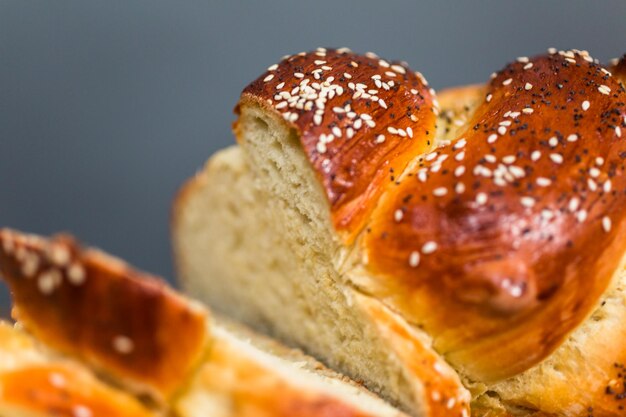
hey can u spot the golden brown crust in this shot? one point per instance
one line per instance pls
(64, 391)
(95, 307)
(360, 120)
(500, 269)
(33, 382)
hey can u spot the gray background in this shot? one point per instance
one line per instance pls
(107, 107)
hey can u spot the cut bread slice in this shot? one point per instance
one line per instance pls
(142, 336)
(249, 255)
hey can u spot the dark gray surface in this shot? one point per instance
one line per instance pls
(107, 107)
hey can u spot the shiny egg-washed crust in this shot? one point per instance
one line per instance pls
(34, 384)
(345, 108)
(499, 243)
(90, 305)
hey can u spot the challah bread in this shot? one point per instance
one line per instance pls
(35, 383)
(116, 319)
(496, 237)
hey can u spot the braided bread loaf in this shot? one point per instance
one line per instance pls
(160, 354)
(430, 250)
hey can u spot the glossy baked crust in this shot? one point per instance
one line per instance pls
(36, 384)
(85, 303)
(498, 243)
(348, 111)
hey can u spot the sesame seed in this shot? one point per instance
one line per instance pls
(481, 199)
(281, 105)
(599, 161)
(30, 265)
(528, 66)
(81, 411)
(606, 187)
(459, 156)
(58, 254)
(450, 403)
(592, 184)
(507, 81)
(528, 86)
(273, 67)
(398, 68)
(414, 259)
(57, 380)
(76, 274)
(431, 156)
(298, 75)
(48, 281)
(319, 62)
(317, 119)
(429, 247)
(522, 59)
(489, 97)
(527, 110)
(604, 89)
(321, 147)
(527, 202)
(392, 130)
(581, 215)
(557, 158)
(509, 159)
(458, 171)
(268, 78)
(572, 138)
(380, 138)
(440, 191)
(123, 344)
(618, 131)
(547, 214)
(594, 172)
(382, 103)
(543, 182)
(409, 131)
(553, 141)
(492, 138)
(585, 105)
(336, 131)
(459, 188)
(459, 144)
(398, 215)
(573, 204)
(502, 130)
(8, 246)
(606, 224)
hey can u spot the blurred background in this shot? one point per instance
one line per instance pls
(107, 107)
